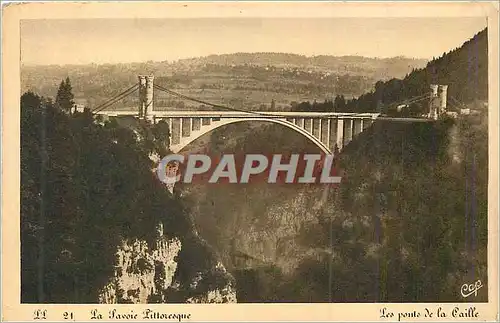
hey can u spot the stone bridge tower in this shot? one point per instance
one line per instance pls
(443, 94)
(434, 102)
(437, 101)
(145, 95)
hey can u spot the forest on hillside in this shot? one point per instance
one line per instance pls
(408, 223)
(86, 186)
(464, 70)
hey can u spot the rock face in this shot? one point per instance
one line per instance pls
(145, 274)
(167, 270)
(140, 272)
(226, 294)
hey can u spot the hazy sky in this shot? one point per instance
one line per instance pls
(135, 40)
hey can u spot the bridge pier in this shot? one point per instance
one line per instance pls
(316, 127)
(348, 127)
(324, 132)
(176, 131)
(308, 125)
(340, 133)
(186, 127)
(169, 122)
(358, 127)
(367, 123)
(196, 124)
(332, 134)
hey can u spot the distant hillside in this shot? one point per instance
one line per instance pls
(241, 80)
(380, 68)
(464, 70)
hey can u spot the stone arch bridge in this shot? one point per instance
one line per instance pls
(325, 130)
(328, 130)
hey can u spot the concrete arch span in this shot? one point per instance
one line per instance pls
(184, 141)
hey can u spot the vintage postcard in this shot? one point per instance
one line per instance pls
(250, 161)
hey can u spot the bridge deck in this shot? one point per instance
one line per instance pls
(252, 114)
(328, 130)
(406, 119)
(266, 114)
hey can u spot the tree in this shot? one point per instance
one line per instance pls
(85, 186)
(64, 98)
(339, 104)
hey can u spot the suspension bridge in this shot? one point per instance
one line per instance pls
(330, 131)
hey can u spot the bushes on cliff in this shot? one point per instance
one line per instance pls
(464, 69)
(84, 186)
(408, 222)
(418, 213)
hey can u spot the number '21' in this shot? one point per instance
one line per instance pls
(67, 315)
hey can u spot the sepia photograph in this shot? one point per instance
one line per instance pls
(255, 159)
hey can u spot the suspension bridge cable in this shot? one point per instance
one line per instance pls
(187, 97)
(204, 102)
(418, 100)
(220, 106)
(407, 100)
(454, 106)
(193, 99)
(108, 101)
(115, 99)
(460, 103)
(411, 100)
(111, 103)
(415, 101)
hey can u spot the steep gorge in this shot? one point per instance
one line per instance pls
(96, 225)
(407, 223)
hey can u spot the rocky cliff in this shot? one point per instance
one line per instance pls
(147, 274)
(411, 194)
